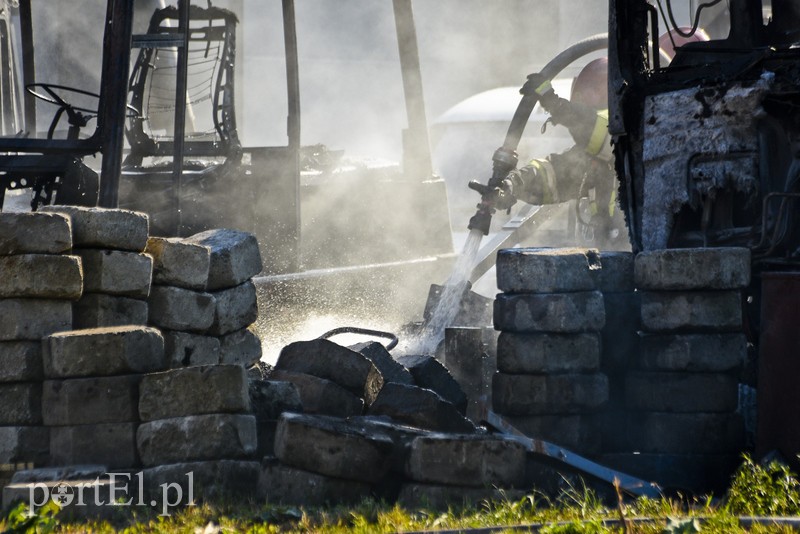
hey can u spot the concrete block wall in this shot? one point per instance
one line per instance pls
(550, 315)
(670, 350)
(77, 358)
(39, 281)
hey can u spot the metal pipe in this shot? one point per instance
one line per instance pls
(28, 67)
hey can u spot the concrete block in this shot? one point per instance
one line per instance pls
(684, 269)
(693, 352)
(690, 474)
(325, 359)
(429, 373)
(566, 313)
(321, 396)
(466, 357)
(234, 256)
(270, 398)
(401, 436)
(333, 447)
(208, 389)
(686, 433)
(619, 337)
(242, 347)
(183, 349)
(681, 392)
(110, 444)
(235, 308)
(96, 310)
(419, 407)
(546, 270)
(548, 353)
(43, 276)
(197, 437)
(105, 228)
(21, 404)
(33, 319)
(467, 460)
(116, 272)
(20, 361)
(201, 481)
(616, 272)
(415, 496)
(108, 351)
(697, 311)
(34, 233)
(579, 433)
(88, 401)
(281, 484)
(186, 310)
(24, 444)
(177, 262)
(390, 369)
(549, 394)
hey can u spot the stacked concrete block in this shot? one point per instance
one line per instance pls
(550, 315)
(90, 396)
(116, 272)
(39, 281)
(455, 469)
(203, 298)
(683, 391)
(197, 420)
(619, 341)
(324, 459)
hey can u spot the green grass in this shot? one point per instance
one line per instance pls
(755, 491)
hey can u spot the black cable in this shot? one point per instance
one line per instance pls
(696, 22)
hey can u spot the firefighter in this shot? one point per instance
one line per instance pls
(583, 172)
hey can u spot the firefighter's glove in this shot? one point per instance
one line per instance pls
(540, 86)
(504, 194)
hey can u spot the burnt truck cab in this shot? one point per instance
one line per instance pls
(190, 111)
(707, 143)
(707, 148)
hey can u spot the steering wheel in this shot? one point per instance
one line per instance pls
(77, 116)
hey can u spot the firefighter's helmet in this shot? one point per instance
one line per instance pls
(672, 39)
(590, 86)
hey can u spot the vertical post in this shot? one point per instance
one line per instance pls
(416, 147)
(28, 67)
(179, 128)
(292, 73)
(112, 107)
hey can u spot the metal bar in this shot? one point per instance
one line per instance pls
(179, 128)
(112, 107)
(628, 483)
(164, 40)
(293, 123)
(416, 146)
(28, 67)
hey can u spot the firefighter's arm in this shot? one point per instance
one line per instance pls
(535, 183)
(589, 128)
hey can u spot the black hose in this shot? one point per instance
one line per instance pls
(550, 71)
